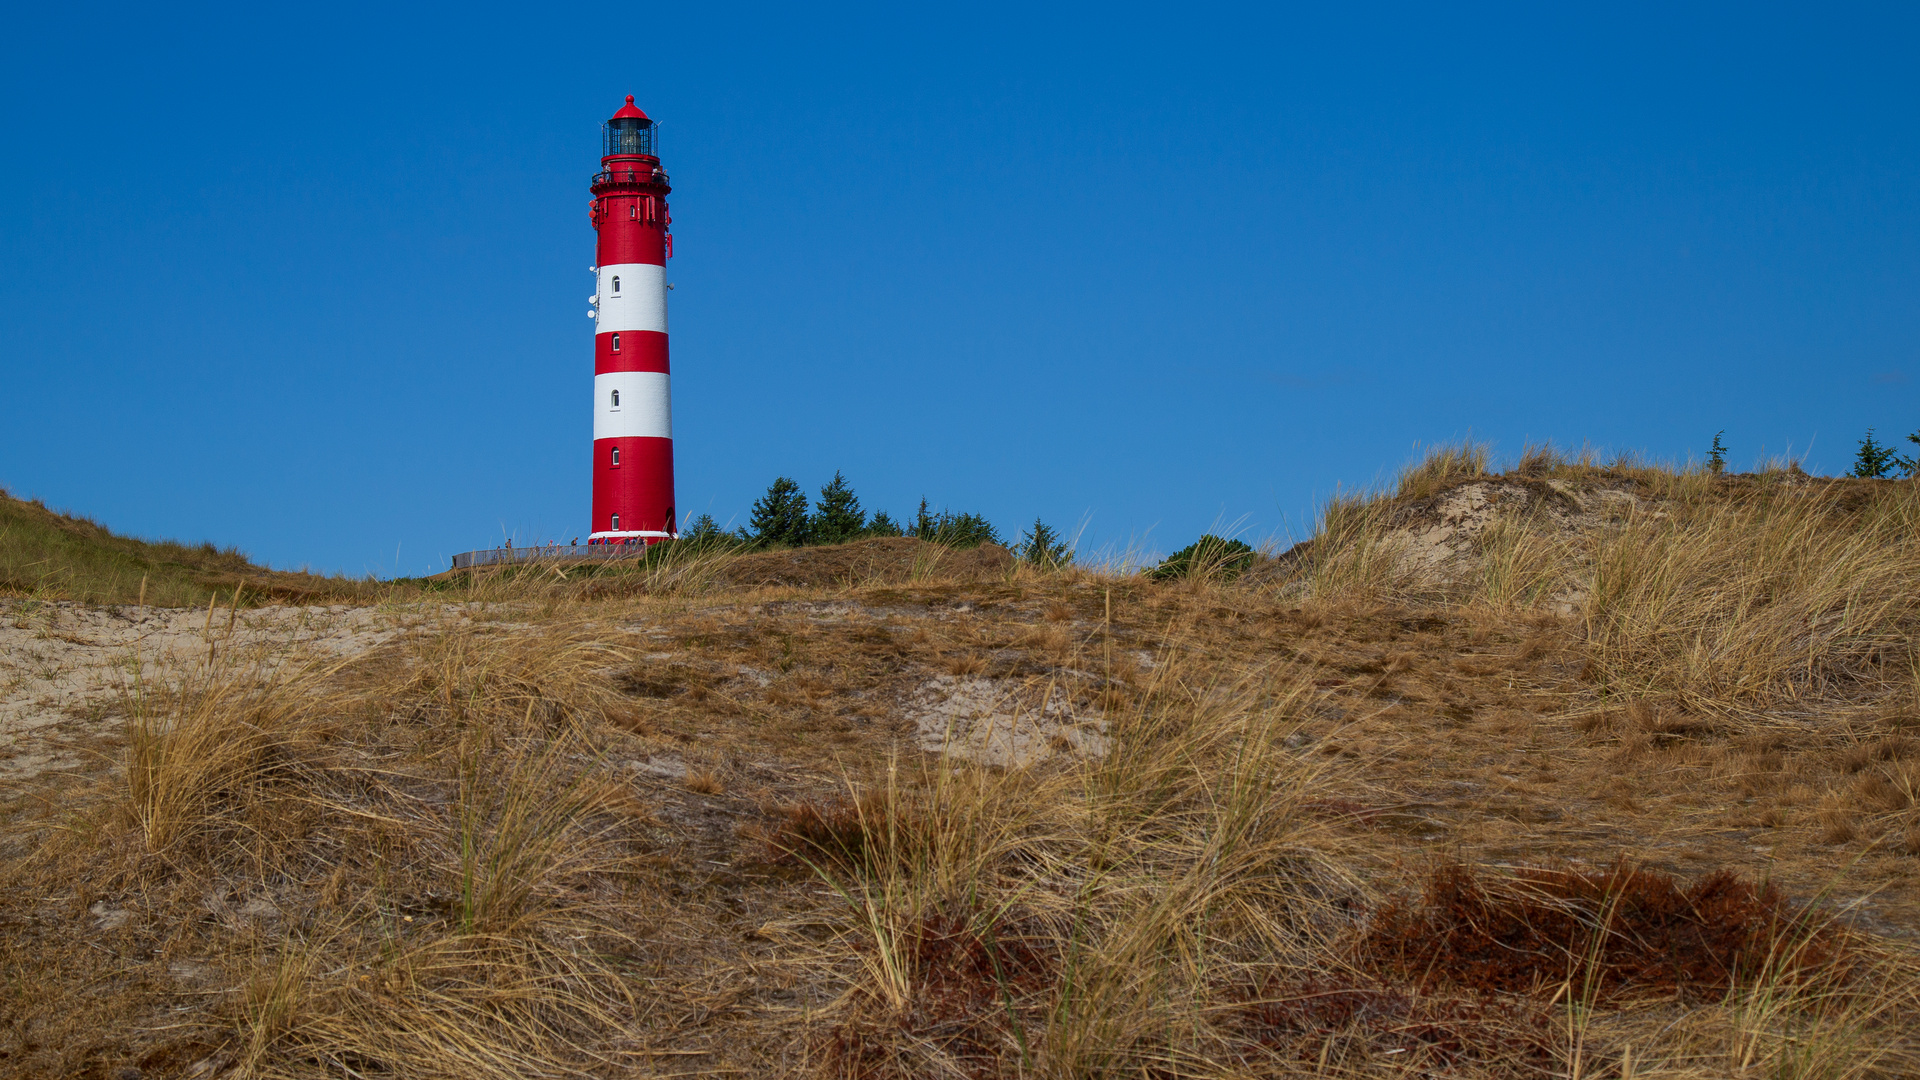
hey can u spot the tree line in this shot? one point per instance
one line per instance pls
(783, 518)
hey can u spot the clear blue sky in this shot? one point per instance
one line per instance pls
(312, 279)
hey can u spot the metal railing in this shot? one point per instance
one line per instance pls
(624, 175)
(502, 556)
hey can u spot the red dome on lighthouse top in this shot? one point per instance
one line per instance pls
(628, 110)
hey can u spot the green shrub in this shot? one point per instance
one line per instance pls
(1209, 555)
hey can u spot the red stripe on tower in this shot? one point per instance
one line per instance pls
(632, 410)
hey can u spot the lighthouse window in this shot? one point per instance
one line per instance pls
(632, 212)
(616, 461)
(616, 283)
(616, 399)
(616, 523)
(616, 348)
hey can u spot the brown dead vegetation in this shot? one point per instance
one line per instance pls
(972, 992)
(843, 835)
(1620, 932)
(1329, 1026)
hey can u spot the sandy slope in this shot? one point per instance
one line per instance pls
(64, 667)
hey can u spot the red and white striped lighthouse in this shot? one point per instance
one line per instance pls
(632, 409)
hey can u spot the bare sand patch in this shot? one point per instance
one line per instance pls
(1001, 722)
(64, 667)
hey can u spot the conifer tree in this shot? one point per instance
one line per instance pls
(780, 516)
(1873, 461)
(882, 524)
(1717, 456)
(1044, 547)
(953, 530)
(703, 532)
(837, 516)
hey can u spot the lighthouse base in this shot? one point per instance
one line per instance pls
(644, 537)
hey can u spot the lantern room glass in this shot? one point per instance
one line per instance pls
(628, 135)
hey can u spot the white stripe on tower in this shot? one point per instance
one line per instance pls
(633, 296)
(632, 404)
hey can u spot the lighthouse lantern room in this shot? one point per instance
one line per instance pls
(632, 408)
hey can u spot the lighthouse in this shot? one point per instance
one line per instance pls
(632, 409)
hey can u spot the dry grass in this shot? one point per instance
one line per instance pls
(1355, 555)
(1762, 597)
(1634, 799)
(426, 896)
(1448, 464)
(1523, 564)
(1716, 593)
(200, 754)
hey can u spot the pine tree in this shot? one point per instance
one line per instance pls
(953, 530)
(883, 524)
(704, 532)
(780, 517)
(967, 530)
(1044, 547)
(1874, 461)
(837, 516)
